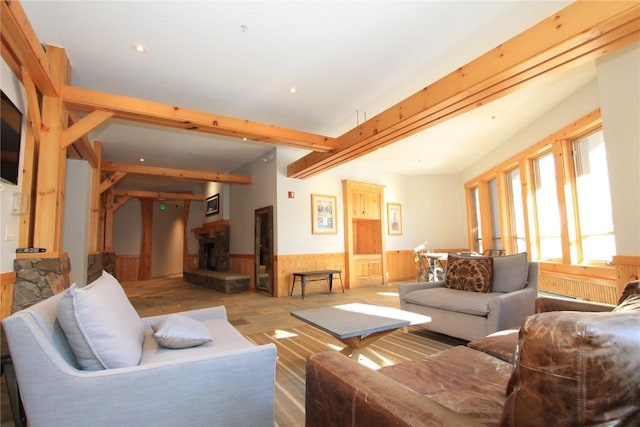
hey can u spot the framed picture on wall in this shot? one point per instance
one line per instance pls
(394, 218)
(212, 205)
(323, 214)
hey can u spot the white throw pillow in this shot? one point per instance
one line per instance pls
(102, 327)
(180, 332)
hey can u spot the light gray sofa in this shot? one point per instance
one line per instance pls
(228, 381)
(472, 315)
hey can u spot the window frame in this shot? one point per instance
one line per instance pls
(560, 145)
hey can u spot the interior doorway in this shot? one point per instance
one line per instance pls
(263, 253)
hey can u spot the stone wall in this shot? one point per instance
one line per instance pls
(38, 279)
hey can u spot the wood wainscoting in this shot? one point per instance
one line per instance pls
(286, 265)
(7, 281)
(127, 267)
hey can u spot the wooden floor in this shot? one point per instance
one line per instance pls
(259, 316)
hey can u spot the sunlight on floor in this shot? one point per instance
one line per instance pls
(279, 334)
(389, 294)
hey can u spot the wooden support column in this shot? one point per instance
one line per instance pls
(144, 271)
(52, 161)
(185, 235)
(108, 221)
(29, 170)
(94, 217)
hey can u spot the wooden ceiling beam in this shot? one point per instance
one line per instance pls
(33, 106)
(21, 39)
(175, 173)
(83, 126)
(139, 110)
(582, 31)
(158, 195)
(110, 181)
(82, 146)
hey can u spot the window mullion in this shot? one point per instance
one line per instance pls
(558, 158)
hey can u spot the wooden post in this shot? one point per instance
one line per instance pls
(94, 218)
(108, 221)
(185, 235)
(52, 161)
(144, 271)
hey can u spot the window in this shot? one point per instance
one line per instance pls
(547, 211)
(516, 211)
(551, 200)
(595, 223)
(476, 229)
(496, 238)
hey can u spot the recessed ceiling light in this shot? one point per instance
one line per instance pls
(244, 139)
(141, 159)
(140, 48)
(293, 89)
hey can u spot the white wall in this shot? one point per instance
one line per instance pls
(245, 199)
(619, 88)
(127, 229)
(9, 223)
(432, 207)
(580, 103)
(167, 239)
(77, 206)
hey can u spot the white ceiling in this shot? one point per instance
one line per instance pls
(347, 59)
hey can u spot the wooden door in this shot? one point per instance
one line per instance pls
(364, 233)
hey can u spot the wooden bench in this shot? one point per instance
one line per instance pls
(221, 281)
(311, 276)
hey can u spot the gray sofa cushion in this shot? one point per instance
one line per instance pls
(476, 303)
(102, 327)
(510, 272)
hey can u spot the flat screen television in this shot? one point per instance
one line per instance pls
(10, 139)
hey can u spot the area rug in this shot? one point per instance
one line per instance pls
(296, 344)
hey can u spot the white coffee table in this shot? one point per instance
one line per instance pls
(359, 325)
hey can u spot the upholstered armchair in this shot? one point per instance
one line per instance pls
(508, 298)
(198, 371)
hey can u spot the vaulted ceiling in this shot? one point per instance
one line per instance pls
(346, 62)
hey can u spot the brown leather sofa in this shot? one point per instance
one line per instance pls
(570, 369)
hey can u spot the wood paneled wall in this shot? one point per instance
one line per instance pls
(127, 267)
(627, 270)
(588, 288)
(7, 280)
(243, 264)
(401, 266)
(286, 265)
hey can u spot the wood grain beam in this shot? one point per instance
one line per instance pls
(176, 173)
(120, 203)
(83, 146)
(33, 106)
(84, 126)
(111, 180)
(139, 110)
(583, 31)
(158, 195)
(25, 46)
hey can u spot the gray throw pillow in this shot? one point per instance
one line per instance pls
(102, 327)
(178, 331)
(510, 272)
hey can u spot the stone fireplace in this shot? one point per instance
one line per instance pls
(213, 252)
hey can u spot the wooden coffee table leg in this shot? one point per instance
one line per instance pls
(355, 345)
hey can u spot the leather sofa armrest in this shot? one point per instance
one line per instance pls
(340, 391)
(547, 304)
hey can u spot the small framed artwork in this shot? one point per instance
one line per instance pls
(212, 205)
(394, 218)
(323, 214)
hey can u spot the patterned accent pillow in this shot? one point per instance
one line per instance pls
(474, 274)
